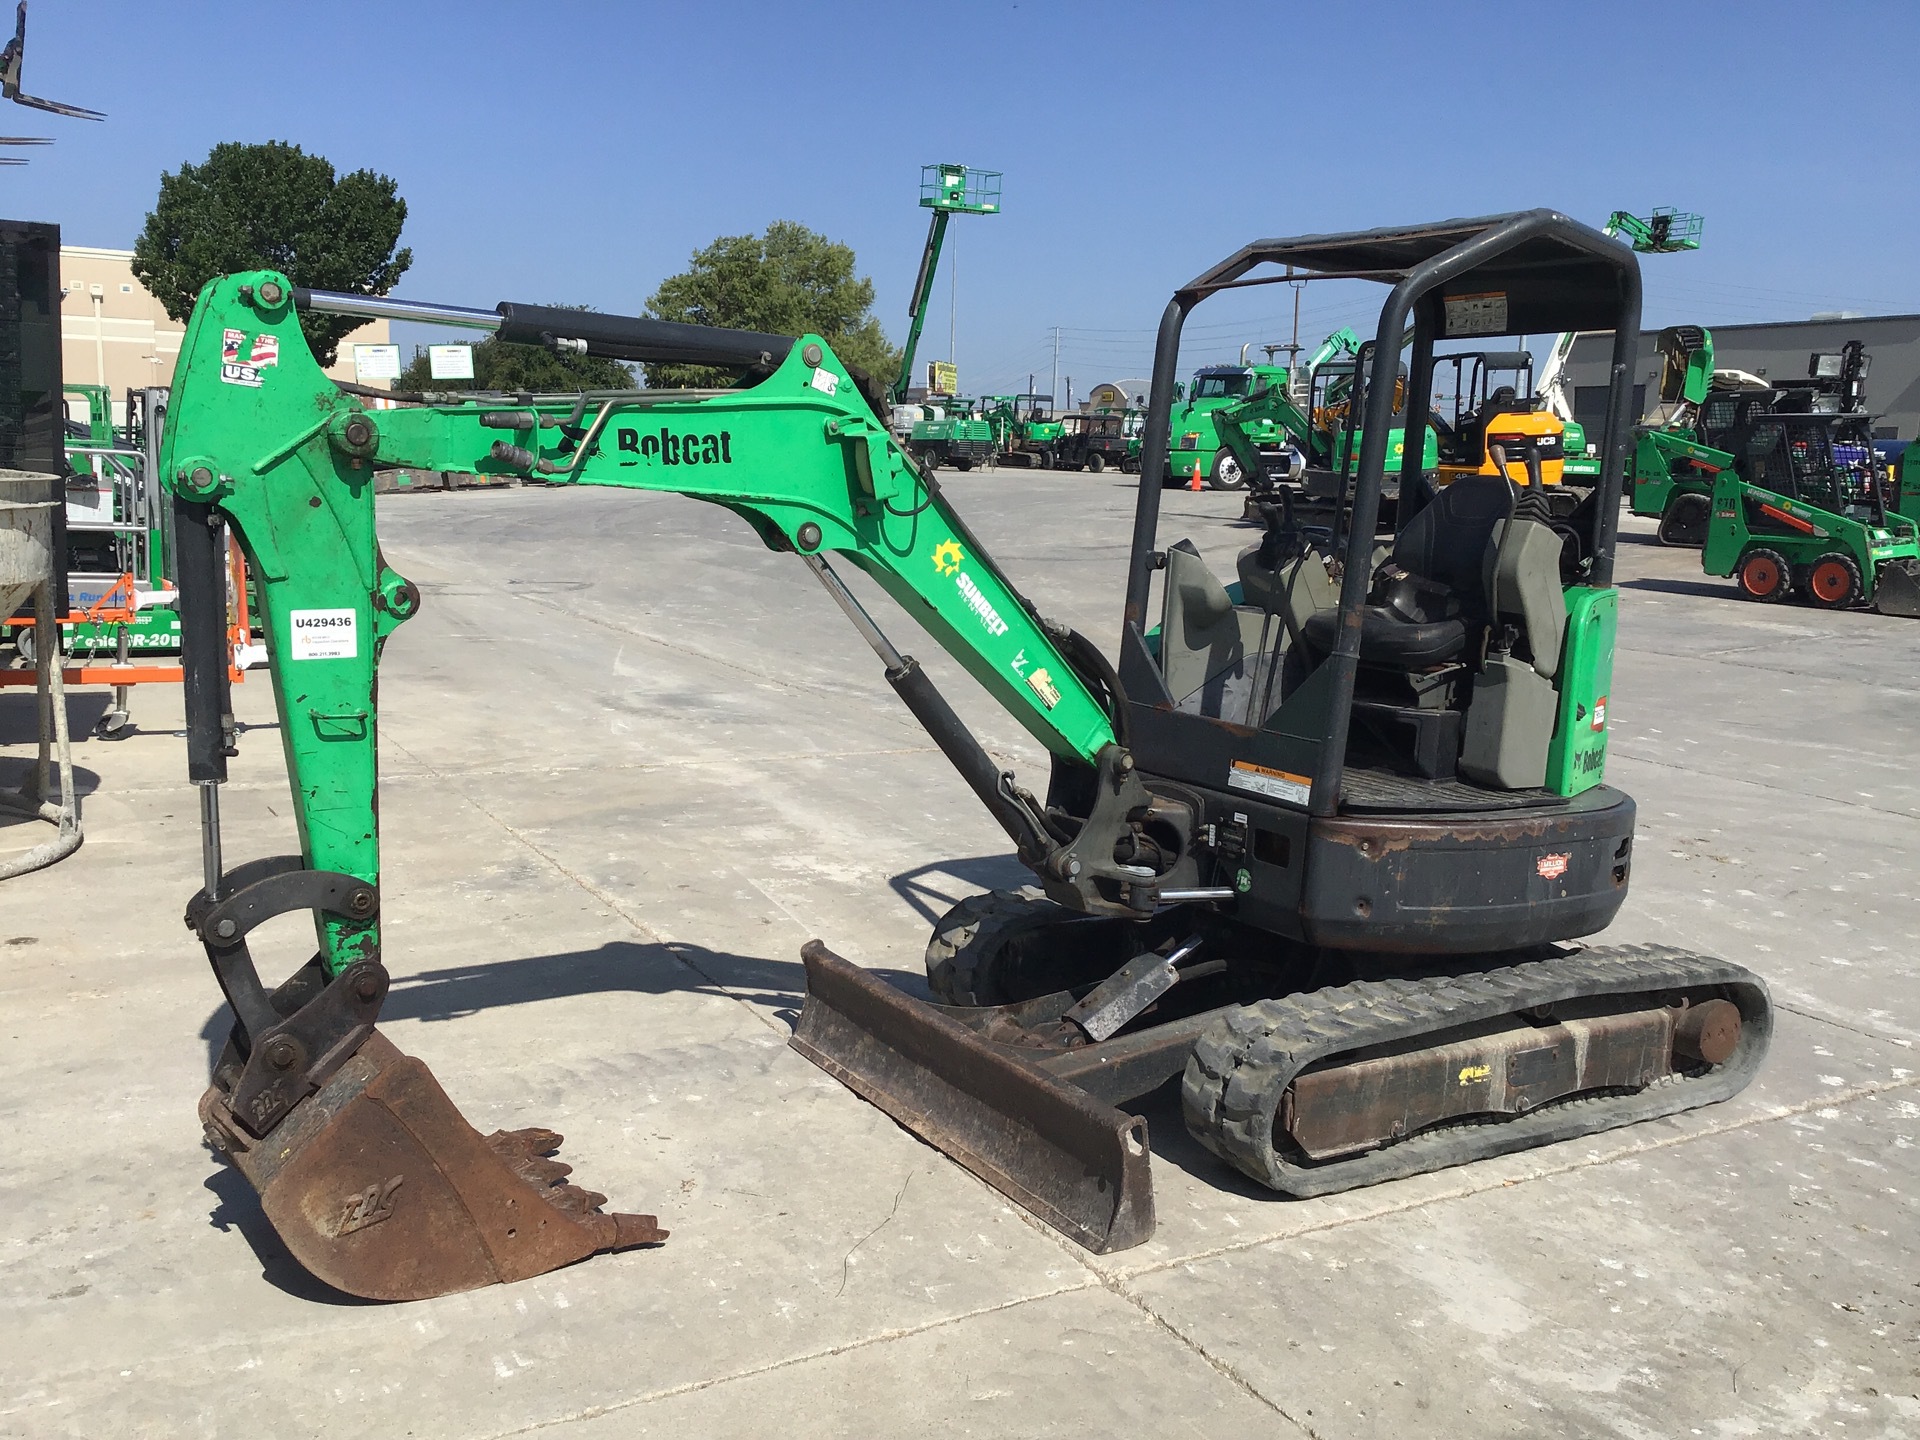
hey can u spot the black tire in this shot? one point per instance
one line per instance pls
(1764, 575)
(1833, 581)
(1044, 460)
(1227, 472)
(1684, 521)
(1096, 462)
(23, 642)
(975, 956)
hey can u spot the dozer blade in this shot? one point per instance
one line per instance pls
(1897, 589)
(379, 1186)
(1081, 1166)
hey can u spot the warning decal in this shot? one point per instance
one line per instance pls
(1274, 784)
(325, 634)
(1482, 314)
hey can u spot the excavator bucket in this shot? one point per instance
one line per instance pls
(379, 1187)
(1081, 1166)
(1897, 590)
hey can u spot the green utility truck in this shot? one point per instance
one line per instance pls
(1806, 510)
(1194, 439)
(953, 435)
(1026, 430)
(1113, 440)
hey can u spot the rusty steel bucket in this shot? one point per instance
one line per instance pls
(380, 1187)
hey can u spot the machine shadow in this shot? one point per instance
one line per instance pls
(20, 722)
(975, 872)
(456, 991)
(1704, 588)
(239, 1209)
(619, 966)
(1172, 1144)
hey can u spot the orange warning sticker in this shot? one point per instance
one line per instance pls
(1274, 784)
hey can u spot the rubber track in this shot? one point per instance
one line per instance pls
(1244, 1062)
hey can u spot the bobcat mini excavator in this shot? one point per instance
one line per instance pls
(1313, 846)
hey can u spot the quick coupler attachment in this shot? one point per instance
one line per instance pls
(369, 1174)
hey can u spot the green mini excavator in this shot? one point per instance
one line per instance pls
(1315, 846)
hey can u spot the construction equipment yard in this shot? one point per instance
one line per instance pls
(626, 776)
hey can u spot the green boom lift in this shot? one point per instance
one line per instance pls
(957, 436)
(947, 190)
(1315, 848)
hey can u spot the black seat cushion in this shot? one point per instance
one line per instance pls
(1386, 639)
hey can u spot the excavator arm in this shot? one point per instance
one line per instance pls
(260, 440)
(1260, 413)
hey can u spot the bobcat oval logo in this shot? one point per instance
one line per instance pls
(1551, 867)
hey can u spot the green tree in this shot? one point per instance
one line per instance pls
(788, 281)
(499, 365)
(273, 206)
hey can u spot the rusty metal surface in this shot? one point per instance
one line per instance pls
(1081, 1166)
(379, 1186)
(1343, 1109)
(1707, 1031)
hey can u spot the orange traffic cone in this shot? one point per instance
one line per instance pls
(1194, 483)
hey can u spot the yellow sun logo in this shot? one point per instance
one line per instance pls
(947, 556)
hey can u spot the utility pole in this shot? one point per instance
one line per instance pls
(1054, 387)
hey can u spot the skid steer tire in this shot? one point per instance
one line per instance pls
(1764, 575)
(1833, 581)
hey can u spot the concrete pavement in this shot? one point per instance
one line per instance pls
(632, 760)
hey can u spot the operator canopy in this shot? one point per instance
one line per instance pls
(1542, 270)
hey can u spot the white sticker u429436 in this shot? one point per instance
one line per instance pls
(325, 634)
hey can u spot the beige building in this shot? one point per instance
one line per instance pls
(113, 333)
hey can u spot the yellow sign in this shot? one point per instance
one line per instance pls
(943, 377)
(947, 557)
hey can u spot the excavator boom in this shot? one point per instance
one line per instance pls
(358, 1154)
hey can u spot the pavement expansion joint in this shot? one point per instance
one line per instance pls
(1820, 1018)
(1843, 1096)
(879, 1337)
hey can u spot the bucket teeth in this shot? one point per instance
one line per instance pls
(381, 1188)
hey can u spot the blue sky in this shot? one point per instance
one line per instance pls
(579, 152)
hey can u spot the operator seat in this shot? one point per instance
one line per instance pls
(1423, 620)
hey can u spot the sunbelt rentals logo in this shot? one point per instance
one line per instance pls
(948, 558)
